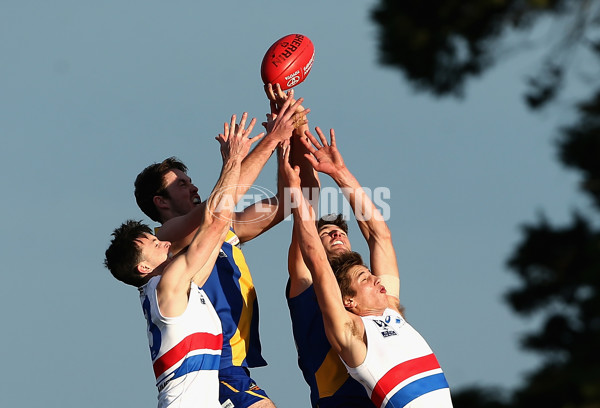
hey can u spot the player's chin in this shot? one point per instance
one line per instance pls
(338, 250)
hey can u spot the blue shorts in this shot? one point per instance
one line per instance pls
(237, 389)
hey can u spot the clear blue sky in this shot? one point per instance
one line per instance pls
(92, 92)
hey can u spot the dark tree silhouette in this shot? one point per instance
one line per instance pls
(439, 45)
(580, 147)
(559, 271)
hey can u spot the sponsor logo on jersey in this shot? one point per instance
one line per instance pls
(389, 319)
(384, 329)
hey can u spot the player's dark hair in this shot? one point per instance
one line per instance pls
(123, 254)
(151, 182)
(341, 266)
(333, 219)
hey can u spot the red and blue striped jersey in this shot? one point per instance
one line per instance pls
(400, 369)
(185, 350)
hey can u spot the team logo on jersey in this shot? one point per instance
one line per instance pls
(388, 319)
(234, 240)
(384, 328)
(253, 387)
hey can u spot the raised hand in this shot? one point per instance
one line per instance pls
(289, 174)
(323, 156)
(281, 124)
(235, 140)
(277, 97)
(291, 177)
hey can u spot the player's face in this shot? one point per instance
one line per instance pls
(334, 239)
(154, 252)
(370, 293)
(183, 194)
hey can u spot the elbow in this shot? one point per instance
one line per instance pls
(385, 234)
(218, 227)
(380, 235)
(218, 221)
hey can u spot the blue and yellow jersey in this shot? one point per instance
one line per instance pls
(330, 384)
(231, 291)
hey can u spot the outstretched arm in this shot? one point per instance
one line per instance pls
(343, 329)
(300, 278)
(276, 134)
(326, 158)
(180, 230)
(197, 262)
(263, 215)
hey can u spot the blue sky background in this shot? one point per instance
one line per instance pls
(92, 92)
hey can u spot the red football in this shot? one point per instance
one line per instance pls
(288, 61)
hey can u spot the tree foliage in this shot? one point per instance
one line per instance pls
(439, 45)
(579, 147)
(559, 271)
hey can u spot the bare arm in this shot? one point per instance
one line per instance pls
(180, 230)
(197, 262)
(263, 215)
(277, 133)
(343, 329)
(326, 158)
(300, 277)
(256, 160)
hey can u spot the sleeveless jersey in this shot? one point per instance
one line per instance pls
(330, 384)
(231, 291)
(400, 370)
(185, 350)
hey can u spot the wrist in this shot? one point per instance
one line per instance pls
(342, 177)
(233, 161)
(271, 141)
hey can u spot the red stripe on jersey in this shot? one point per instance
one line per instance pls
(196, 341)
(400, 373)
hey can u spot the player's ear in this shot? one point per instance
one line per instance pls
(160, 202)
(143, 268)
(349, 303)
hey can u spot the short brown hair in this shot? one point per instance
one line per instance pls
(341, 265)
(123, 255)
(151, 182)
(333, 219)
